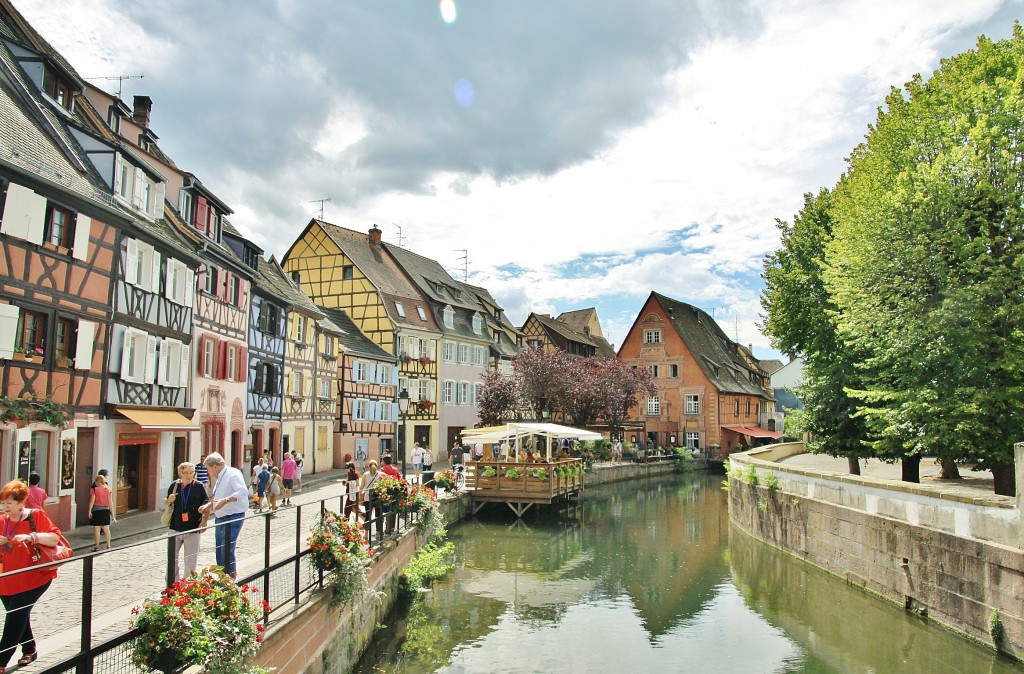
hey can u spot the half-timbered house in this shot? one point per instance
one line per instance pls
(541, 331)
(58, 235)
(366, 411)
(343, 269)
(708, 396)
(465, 340)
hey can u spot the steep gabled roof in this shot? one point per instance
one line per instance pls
(381, 269)
(717, 355)
(353, 339)
(560, 332)
(284, 288)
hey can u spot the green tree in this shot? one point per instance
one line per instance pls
(925, 263)
(800, 318)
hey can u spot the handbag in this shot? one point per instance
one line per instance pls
(50, 553)
(165, 518)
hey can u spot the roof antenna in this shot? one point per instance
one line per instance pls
(120, 80)
(321, 202)
(465, 263)
(401, 239)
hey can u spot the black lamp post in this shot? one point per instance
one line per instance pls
(403, 407)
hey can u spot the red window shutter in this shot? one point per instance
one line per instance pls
(201, 356)
(243, 365)
(222, 357)
(225, 279)
(202, 213)
(201, 277)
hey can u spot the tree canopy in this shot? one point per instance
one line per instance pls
(913, 300)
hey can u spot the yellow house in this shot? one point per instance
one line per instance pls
(344, 269)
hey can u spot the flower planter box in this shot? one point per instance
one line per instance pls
(513, 484)
(537, 484)
(27, 358)
(486, 482)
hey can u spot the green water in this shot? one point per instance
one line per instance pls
(647, 576)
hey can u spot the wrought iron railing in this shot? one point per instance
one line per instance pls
(97, 638)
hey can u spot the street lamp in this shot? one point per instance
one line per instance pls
(403, 407)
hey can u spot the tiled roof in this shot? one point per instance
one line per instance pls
(353, 339)
(564, 331)
(717, 355)
(275, 280)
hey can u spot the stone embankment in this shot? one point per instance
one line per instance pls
(951, 555)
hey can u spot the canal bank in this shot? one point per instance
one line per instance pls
(319, 639)
(948, 555)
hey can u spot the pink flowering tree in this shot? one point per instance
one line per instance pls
(498, 400)
(624, 386)
(543, 379)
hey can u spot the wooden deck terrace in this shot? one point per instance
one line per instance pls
(537, 482)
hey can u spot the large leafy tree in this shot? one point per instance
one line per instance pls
(925, 263)
(498, 400)
(800, 318)
(623, 386)
(543, 379)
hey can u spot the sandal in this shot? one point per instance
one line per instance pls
(28, 658)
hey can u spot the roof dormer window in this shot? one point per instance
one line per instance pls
(422, 313)
(449, 317)
(400, 309)
(58, 88)
(478, 323)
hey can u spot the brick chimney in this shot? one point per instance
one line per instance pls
(143, 106)
(375, 236)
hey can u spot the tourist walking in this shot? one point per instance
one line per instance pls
(228, 505)
(274, 488)
(297, 457)
(373, 505)
(203, 475)
(350, 488)
(288, 470)
(417, 458)
(187, 495)
(99, 511)
(428, 458)
(260, 489)
(22, 529)
(36, 494)
(389, 469)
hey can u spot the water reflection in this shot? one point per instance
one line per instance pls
(645, 576)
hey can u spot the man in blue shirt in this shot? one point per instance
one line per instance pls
(228, 505)
(203, 475)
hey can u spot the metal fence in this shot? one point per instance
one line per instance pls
(102, 642)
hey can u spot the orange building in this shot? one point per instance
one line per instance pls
(710, 394)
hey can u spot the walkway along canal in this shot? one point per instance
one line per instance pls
(647, 575)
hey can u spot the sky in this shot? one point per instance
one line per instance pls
(564, 155)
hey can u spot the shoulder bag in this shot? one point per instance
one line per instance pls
(165, 518)
(50, 553)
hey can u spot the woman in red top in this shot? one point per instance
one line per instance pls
(20, 592)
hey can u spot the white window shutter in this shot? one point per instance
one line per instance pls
(156, 273)
(24, 213)
(372, 373)
(160, 193)
(8, 329)
(117, 172)
(83, 226)
(129, 335)
(140, 183)
(172, 268)
(164, 348)
(150, 359)
(190, 288)
(83, 351)
(371, 412)
(131, 262)
(183, 377)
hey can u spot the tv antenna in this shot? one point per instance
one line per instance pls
(321, 202)
(401, 238)
(465, 263)
(120, 80)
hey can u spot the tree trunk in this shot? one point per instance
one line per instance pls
(912, 468)
(854, 464)
(949, 470)
(1003, 480)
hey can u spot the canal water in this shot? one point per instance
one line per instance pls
(648, 576)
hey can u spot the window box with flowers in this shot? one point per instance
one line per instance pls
(28, 355)
(426, 360)
(445, 480)
(22, 411)
(206, 619)
(424, 406)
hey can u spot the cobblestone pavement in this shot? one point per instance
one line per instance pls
(136, 567)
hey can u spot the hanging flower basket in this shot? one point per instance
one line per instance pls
(425, 405)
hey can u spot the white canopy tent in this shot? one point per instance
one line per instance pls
(518, 432)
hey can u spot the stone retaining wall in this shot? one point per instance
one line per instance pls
(892, 539)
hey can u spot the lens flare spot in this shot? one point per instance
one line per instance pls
(464, 93)
(448, 12)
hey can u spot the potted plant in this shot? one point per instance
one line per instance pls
(424, 405)
(390, 490)
(206, 619)
(445, 480)
(336, 551)
(487, 478)
(537, 480)
(64, 361)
